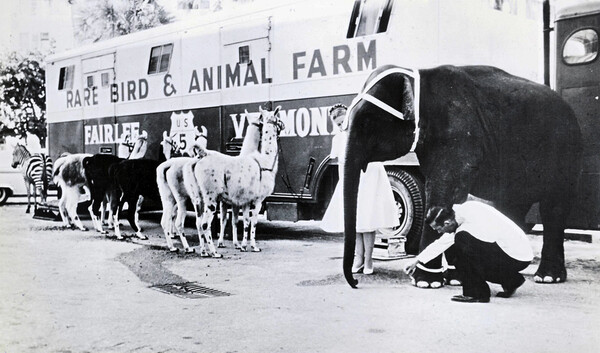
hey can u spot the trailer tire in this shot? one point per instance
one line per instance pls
(409, 196)
(4, 194)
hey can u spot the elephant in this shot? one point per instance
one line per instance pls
(476, 130)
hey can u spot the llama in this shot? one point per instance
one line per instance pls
(36, 170)
(69, 175)
(102, 188)
(132, 181)
(243, 181)
(250, 145)
(173, 194)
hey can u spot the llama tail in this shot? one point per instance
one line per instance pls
(57, 169)
(161, 178)
(190, 182)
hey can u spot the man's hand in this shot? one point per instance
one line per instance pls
(410, 268)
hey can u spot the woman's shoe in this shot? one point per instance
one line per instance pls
(358, 269)
(368, 271)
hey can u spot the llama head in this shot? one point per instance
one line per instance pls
(271, 117)
(169, 146)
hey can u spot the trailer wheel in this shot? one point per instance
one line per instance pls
(4, 194)
(408, 193)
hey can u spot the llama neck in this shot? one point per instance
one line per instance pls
(251, 140)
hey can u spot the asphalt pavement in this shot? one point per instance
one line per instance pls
(64, 290)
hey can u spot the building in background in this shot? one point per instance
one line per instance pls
(35, 26)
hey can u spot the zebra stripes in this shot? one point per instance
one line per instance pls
(36, 169)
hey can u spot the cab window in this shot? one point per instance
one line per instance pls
(369, 17)
(160, 58)
(65, 77)
(581, 47)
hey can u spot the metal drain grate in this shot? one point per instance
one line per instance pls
(189, 290)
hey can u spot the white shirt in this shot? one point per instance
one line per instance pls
(487, 224)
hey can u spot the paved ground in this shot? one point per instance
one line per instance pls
(73, 291)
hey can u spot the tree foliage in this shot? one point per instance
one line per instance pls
(22, 97)
(97, 20)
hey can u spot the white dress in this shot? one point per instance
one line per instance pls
(376, 207)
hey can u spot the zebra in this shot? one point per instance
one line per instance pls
(36, 170)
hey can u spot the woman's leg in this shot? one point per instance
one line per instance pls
(369, 244)
(359, 254)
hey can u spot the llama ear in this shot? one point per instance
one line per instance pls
(408, 101)
(276, 111)
(204, 131)
(165, 135)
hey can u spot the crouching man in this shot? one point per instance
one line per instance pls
(489, 247)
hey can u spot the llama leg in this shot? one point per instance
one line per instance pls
(95, 220)
(136, 218)
(235, 212)
(116, 206)
(73, 201)
(166, 223)
(94, 209)
(253, 220)
(207, 217)
(223, 218)
(180, 223)
(246, 213)
(173, 220)
(62, 210)
(199, 215)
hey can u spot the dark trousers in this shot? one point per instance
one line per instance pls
(478, 262)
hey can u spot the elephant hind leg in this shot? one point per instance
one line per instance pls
(554, 214)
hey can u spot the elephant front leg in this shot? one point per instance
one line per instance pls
(431, 274)
(446, 185)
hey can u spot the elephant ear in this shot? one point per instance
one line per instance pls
(408, 100)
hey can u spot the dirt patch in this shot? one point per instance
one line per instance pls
(147, 264)
(380, 276)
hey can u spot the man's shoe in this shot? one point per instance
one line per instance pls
(509, 291)
(467, 299)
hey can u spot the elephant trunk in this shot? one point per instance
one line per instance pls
(352, 168)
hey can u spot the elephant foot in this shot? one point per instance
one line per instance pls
(452, 278)
(425, 279)
(548, 273)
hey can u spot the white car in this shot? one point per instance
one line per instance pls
(11, 180)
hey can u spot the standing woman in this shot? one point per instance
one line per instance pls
(376, 207)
